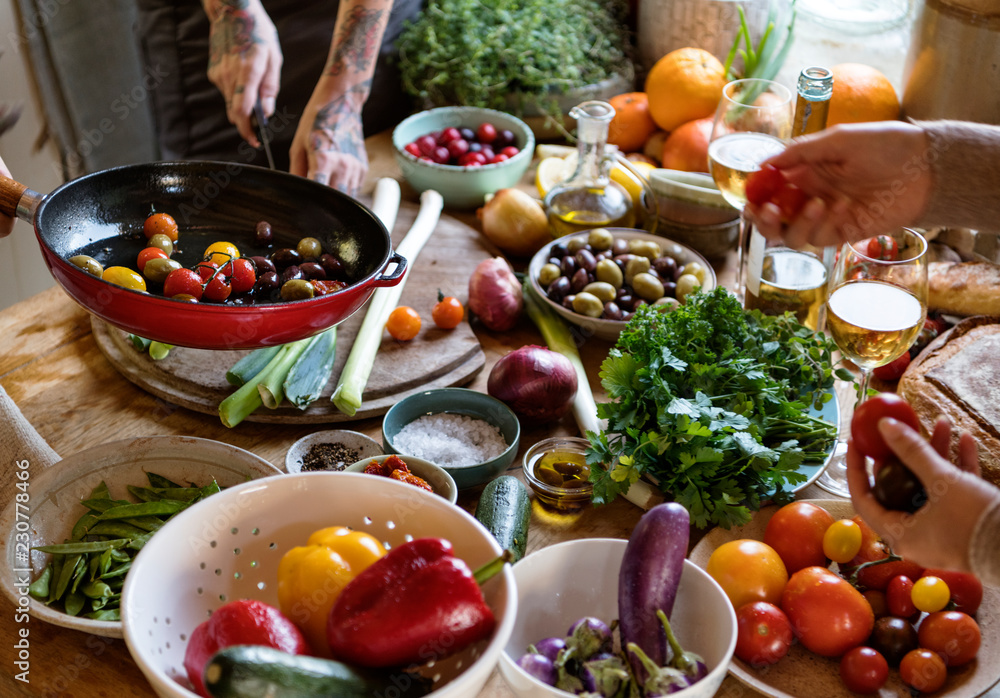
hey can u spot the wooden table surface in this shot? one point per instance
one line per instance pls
(53, 370)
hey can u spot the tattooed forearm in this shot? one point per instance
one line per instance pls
(337, 126)
(234, 29)
(356, 44)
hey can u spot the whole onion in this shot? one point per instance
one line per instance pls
(495, 294)
(535, 382)
(515, 222)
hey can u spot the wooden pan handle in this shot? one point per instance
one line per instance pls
(10, 195)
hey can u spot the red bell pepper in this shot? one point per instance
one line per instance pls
(417, 603)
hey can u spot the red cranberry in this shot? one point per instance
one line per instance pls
(441, 155)
(498, 158)
(510, 151)
(448, 135)
(458, 147)
(413, 149)
(504, 138)
(486, 133)
(427, 145)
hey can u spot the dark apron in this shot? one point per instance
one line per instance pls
(190, 112)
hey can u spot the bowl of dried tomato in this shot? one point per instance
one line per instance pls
(415, 471)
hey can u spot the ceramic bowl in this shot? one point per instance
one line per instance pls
(230, 549)
(458, 401)
(461, 187)
(353, 442)
(434, 475)
(598, 327)
(561, 583)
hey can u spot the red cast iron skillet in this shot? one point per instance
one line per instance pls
(101, 215)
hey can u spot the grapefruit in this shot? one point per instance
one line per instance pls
(684, 85)
(861, 93)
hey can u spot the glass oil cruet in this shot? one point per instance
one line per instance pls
(589, 198)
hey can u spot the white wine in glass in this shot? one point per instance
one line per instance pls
(876, 309)
(752, 123)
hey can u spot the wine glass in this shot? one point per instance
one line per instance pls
(876, 308)
(752, 123)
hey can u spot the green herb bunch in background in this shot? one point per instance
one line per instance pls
(477, 52)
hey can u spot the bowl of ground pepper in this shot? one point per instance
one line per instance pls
(330, 450)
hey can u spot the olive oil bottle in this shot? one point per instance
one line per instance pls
(589, 198)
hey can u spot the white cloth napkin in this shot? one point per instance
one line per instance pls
(19, 441)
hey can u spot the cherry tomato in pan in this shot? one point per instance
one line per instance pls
(448, 312)
(403, 323)
(124, 277)
(218, 288)
(147, 254)
(864, 424)
(184, 282)
(221, 252)
(882, 247)
(160, 223)
(242, 274)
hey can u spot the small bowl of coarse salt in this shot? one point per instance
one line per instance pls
(330, 450)
(472, 435)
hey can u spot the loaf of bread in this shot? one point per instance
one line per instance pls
(964, 288)
(958, 375)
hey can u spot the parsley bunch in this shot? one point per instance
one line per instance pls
(711, 402)
(477, 52)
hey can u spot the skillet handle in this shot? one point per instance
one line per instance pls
(397, 273)
(17, 201)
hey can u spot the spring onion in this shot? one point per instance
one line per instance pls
(244, 370)
(310, 374)
(352, 381)
(559, 338)
(272, 387)
(238, 406)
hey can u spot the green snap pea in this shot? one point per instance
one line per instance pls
(156, 480)
(96, 590)
(126, 511)
(74, 603)
(111, 614)
(96, 546)
(39, 588)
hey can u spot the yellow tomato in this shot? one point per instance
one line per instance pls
(221, 252)
(748, 570)
(842, 541)
(125, 277)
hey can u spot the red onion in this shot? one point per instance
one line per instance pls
(535, 382)
(495, 294)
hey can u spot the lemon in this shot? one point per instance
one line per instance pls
(552, 170)
(628, 179)
(554, 150)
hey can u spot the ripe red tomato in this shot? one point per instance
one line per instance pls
(763, 184)
(147, 254)
(796, 533)
(954, 635)
(876, 599)
(882, 247)
(763, 633)
(893, 370)
(790, 200)
(403, 323)
(160, 223)
(923, 670)
(242, 273)
(966, 589)
(828, 615)
(898, 597)
(864, 424)
(206, 269)
(448, 312)
(874, 548)
(183, 282)
(863, 670)
(218, 288)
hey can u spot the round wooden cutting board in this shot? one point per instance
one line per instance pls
(196, 378)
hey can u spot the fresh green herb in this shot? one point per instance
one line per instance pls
(712, 402)
(766, 59)
(477, 52)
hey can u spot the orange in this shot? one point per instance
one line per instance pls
(686, 148)
(861, 93)
(632, 125)
(683, 85)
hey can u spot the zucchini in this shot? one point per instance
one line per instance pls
(256, 671)
(505, 510)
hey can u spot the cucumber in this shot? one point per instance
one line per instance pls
(504, 509)
(256, 671)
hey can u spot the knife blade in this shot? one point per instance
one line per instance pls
(265, 138)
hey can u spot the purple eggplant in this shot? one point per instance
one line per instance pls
(539, 666)
(587, 637)
(549, 647)
(648, 579)
(604, 674)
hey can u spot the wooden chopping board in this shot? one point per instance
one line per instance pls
(435, 358)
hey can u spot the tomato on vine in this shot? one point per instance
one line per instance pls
(242, 273)
(160, 223)
(883, 247)
(403, 323)
(447, 312)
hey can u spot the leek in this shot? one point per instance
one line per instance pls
(244, 370)
(159, 350)
(238, 406)
(354, 377)
(272, 387)
(558, 337)
(311, 372)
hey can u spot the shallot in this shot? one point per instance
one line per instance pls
(495, 294)
(535, 382)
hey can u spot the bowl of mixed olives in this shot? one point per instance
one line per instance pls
(596, 279)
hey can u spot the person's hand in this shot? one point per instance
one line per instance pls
(938, 534)
(862, 180)
(6, 222)
(329, 144)
(244, 61)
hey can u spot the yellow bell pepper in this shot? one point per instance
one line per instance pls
(311, 577)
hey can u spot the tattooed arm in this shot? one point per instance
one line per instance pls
(244, 59)
(329, 142)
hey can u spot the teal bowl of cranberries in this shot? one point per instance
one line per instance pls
(464, 153)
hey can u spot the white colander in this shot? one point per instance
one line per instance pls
(228, 547)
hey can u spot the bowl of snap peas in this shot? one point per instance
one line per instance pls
(71, 538)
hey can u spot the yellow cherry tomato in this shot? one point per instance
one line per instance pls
(842, 541)
(221, 252)
(930, 594)
(124, 277)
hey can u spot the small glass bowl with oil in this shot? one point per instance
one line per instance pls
(556, 469)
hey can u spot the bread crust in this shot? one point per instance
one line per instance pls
(925, 387)
(964, 288)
